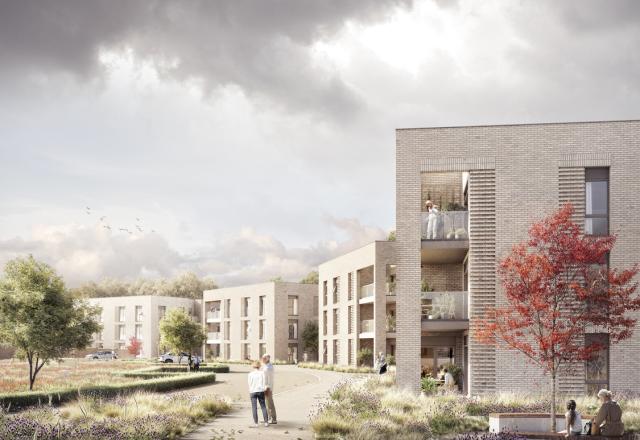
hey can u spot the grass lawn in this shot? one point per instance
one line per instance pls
(373, 408)
(138, 416)
(14, 375)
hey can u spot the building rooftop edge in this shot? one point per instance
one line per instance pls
(355, 249)
(142, 296)
(435, 127)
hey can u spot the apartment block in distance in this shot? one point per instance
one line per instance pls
(491, 183)
(357, 304)
(246, 322)
(124, 317)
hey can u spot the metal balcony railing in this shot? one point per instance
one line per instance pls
(447, 225)
(214, 315)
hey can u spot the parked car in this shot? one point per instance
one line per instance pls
(108, 355)
(171, 358)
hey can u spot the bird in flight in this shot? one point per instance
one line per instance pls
(106, 227)
(138, 228)
(88, 210)
(102, 218)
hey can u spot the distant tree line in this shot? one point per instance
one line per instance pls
(186, 285)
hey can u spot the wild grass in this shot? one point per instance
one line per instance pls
(372, 407)
(139, 416)
(337, 368)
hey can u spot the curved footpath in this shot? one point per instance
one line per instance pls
(298, 391)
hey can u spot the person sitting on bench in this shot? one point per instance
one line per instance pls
(608, 422)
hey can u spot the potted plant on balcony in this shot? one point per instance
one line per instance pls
(425, 286)
(391, 323)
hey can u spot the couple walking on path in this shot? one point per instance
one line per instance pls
(260, 382)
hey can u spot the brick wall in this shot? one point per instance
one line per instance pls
(443, 277)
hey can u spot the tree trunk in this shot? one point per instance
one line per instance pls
(553, 402)
(31, 375)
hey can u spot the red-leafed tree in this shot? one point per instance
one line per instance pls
(557, 286)
(135, 346)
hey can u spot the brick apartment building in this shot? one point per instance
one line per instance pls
(123, 317)
(246, 322)
(491, 183)
(357, 303)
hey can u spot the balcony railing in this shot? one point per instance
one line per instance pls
(213, 336)
(366, 326)
(214, 315)
(447, 225)
(366, 291)
(445, 305)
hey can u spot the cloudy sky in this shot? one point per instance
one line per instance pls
(256, 138)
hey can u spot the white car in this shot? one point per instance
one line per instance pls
(103, 355)
(170, 358)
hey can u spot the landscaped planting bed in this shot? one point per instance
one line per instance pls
(373, 408)
(138, 416)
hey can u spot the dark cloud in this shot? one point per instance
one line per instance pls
(260, 46)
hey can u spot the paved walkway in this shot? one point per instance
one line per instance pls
(297, 392)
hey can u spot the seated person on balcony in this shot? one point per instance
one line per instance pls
(608, 422)
(573, 419)
(432, 219)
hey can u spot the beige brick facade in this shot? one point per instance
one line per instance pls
(245, 322)
(125, 316)
(517, 175)
(362, 303)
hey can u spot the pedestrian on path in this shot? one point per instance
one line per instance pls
(256, 393)
(267, 368)
(381, 363)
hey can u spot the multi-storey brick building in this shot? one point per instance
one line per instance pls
(123, 317)
(357, 303)
(491, 183)
(246, 322)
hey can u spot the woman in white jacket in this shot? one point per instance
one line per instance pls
(256, 393)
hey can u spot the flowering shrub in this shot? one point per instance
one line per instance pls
(140, 416)
(337, 368)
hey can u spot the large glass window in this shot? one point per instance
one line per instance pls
(245, 306)
(261, 306)
(293, 329)
(597, 201)
(597, 368)
(292, 305)
(139, 313)
(336, 288)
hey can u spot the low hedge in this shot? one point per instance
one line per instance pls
(20, 400)
(239, 362)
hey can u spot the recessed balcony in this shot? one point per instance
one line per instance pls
(445, 237)
(213, 337)
(366, 328)
(366, 294)
(445, 310)
(213, 316)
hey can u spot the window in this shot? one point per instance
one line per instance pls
(350, 322)
(138, 313)
(293, 306)
(227, 308)
(99, 336)
(597, 201)
(263, 349)
(138, 332)
(293, 353)
(324, 322)
(122, 345)
(263, 329)
(391, 279)
(336, 351)
(246, 329)
(261, 304)
(120, 314)
(120, 333)
(293, 329)
(162, 310)
(336, 321)
(350, 351)
(336, 289)
(246, 351)
(227, 330)
(324, 293)
(245, 306)
(324, 351)
(597, 368)
(350, 286)
(227, 351)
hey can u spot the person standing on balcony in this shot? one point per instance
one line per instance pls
(432, 220)
(267, 369)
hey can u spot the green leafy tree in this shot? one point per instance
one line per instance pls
(180, 332)
(277, 279)
(310, 338)
(311, 278)
(38, 318)
(392, 236)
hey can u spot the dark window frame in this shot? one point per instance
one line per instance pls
(601, 384)
(597, 174)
